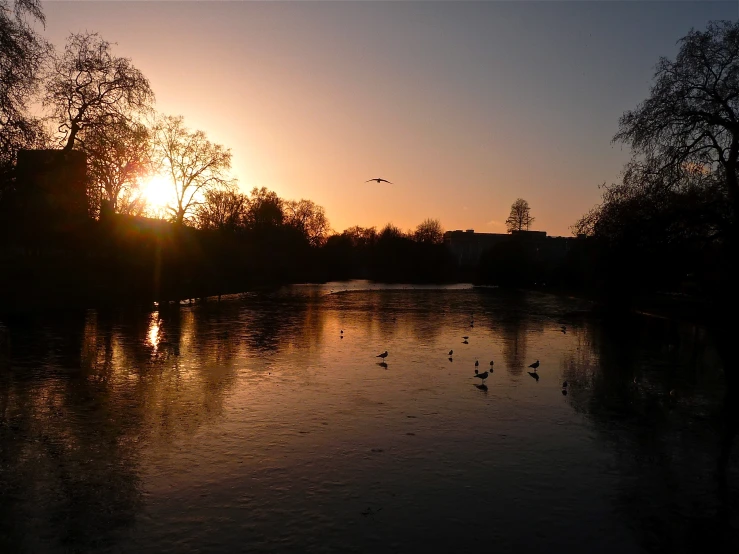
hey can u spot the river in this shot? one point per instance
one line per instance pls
(254, 424)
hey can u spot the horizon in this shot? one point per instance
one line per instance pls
(328, 95)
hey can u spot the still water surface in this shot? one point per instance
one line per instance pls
(251, 425)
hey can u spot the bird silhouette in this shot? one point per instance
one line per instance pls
(465, 338)
(379, 180)
(481, 376)
(564, 385)
(535, 365)
(383, 355)
(451, 352)
(477, 363)
(492, 363)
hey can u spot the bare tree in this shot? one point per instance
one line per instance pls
(90, 87)
(119, 156)
(22, 53)
(265, 210)
(222, 210)
(309, 218)
(691, 118)
(192, 163)
(520, 216)
(429, 231)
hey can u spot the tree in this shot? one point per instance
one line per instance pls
(119, 156)
(309, 218)
(264, 210)
(520, 216)
(429, 232)
(685, 169)
(221, 210)
(691, 119)
(192, 163)
(22, 53)
(89, 87)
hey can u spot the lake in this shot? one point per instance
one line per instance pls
(253, 424)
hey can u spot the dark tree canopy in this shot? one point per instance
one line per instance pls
(520, 217)
(308, 218)
(118, 157)
(429, 231)
(89, 87)
(690, 122)
(264, 211)
(22, 53)
(222, 210)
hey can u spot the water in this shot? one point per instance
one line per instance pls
(251, 425)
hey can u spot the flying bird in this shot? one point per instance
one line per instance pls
(379, 180)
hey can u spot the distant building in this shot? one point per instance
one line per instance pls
(467, 247)
(51, 188)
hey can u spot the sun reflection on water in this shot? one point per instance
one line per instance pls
(153, 334)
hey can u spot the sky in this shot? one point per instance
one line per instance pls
(464, 106)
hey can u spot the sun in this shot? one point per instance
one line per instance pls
(157, 190)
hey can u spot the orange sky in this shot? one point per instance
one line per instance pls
(464, 106)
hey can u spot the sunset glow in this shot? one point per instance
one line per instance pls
(157, 190)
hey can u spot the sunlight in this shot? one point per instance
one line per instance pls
(157, 191)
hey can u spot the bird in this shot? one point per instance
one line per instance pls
(379, 180)
(564, 329)
(465, 338)
(535, 365)
(564, 385)
(342, 331)
(534, 375)
(451, 352)
(481, 376)
(383, 355)
(492, 363)
(477, 363)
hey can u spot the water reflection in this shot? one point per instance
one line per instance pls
(119, 430)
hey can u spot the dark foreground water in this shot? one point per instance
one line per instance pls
(251, 425)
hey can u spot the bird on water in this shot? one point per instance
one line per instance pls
(481, 376)
(379, 180)
(535, 365)
(383, 355)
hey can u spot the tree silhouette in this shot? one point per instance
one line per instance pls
(429, 231)
(192, 163)
(89, 87)
(691, 119)
(222, 209)
(118, 156)
(520, 216)
(264, 210)
(309, 218)
(22, 53)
